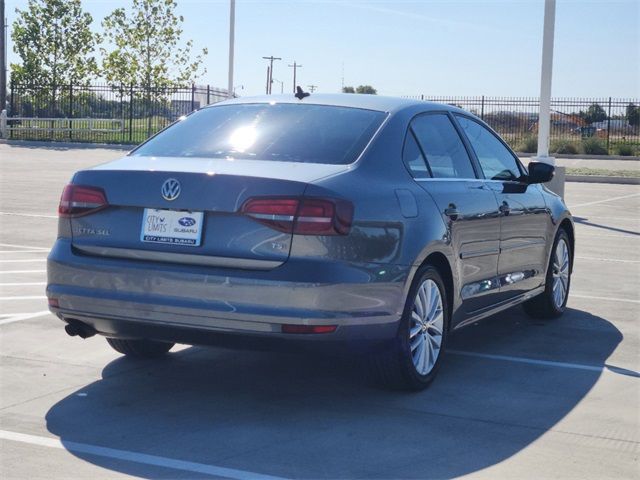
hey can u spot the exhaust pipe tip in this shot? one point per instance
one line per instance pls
(76, 328)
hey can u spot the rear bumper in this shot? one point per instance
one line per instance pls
(199, 304)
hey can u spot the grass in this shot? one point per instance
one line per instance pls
(603, 172)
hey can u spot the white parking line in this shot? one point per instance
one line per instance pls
(24, 260)
(24, 251)
(37, 215)
(24, 297)
(533, 361)
(22, 284)
(612, 299)
(608, 259)
(22, 271)
(17, 317)
(571, 207)
(30, 247)
(134, 457)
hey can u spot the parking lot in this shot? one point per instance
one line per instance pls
(516, 397)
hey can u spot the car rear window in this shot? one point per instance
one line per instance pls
(273, 132)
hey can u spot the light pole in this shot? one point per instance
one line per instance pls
(3, 60)
(281, 84)
(232, 28)
(544, 115)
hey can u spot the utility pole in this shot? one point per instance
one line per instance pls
(266, 85)
(270, 79)
(313, 88)
(295, 67)
(232, 28)
(3, 58)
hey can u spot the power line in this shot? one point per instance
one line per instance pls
(270, 72)
(295, 67)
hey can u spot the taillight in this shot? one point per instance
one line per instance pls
(78, 200)
(300, 215)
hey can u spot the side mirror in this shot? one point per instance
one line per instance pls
(540, 172)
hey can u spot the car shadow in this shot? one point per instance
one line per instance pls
(318, 417)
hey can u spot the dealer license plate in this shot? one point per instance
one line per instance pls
(172, 227)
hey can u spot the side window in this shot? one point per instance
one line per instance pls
(496, 160)
(440, 142)
(412, 157)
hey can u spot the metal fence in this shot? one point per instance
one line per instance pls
(130, 114)
(100, 113)
(578, 125)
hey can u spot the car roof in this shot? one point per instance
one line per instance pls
(350, 100)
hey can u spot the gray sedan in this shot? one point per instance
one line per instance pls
(377, 225)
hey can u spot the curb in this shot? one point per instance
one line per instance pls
(582, 157)
(66, 145)
(601, 179)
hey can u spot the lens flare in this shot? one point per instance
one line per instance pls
(243, 138)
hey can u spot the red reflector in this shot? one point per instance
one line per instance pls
(80, 200)
(53, 302)
(309, 328)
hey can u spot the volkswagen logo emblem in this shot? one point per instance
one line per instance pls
(170, 189)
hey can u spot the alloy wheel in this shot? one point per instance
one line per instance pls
(427, 324)
(560, 273)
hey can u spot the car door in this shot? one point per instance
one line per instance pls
(524, 215)
(435, 154)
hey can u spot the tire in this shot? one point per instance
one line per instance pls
(548, 305)
(396, 366)
(140, 348)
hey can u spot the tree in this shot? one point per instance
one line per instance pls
(55, 43)
(368, 89)
(360, 89)
(146, 46)
(145, 50)
(595, 113)
(633, 115)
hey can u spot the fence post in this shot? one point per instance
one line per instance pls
(482, 108)
(208, 93)
(193, 97)
(131, 114)
(70, 109)
(609, 125)
(12, 108)
(3, 123)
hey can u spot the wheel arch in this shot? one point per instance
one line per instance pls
(567, 226)
(439, 261)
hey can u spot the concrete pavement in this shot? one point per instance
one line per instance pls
(516, 398)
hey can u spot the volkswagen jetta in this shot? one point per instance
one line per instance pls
(377, 224)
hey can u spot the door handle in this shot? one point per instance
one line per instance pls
(452, 212)
(505, 209)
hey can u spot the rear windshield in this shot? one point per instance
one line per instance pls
(276, 132)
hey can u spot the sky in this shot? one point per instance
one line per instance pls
(454, 48)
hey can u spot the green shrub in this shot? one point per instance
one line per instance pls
(625, 149)
(564, 146)
(528, 145)
(594, 146)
